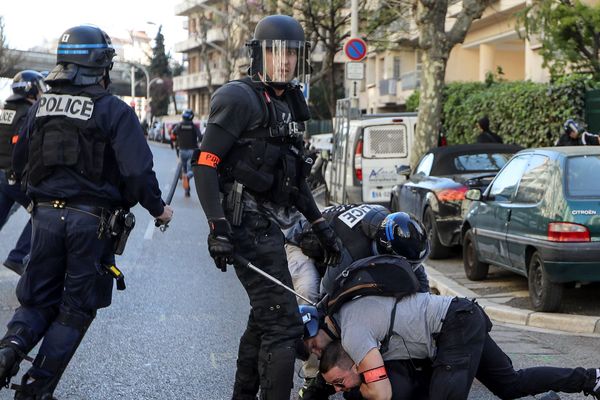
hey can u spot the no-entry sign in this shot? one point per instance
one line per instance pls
(355, 49)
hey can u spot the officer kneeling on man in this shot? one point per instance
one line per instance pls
(252, 153)
(360, 344)
(85, 163)
(364, 230)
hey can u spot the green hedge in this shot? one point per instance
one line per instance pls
(525, 113)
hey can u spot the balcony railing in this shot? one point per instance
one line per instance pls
(411, 80)
(387, 87)
(215, 35)
(199, 80)
(191, 43)
(188, 6)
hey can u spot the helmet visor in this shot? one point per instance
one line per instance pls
(284, 61)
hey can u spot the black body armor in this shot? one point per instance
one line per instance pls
(65, 135)
(269, 160)
(11, 119)
(186, 135)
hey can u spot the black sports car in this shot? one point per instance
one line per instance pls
(434, 193)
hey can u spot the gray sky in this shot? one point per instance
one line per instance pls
(28, 26)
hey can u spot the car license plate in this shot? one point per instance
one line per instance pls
(380, 195)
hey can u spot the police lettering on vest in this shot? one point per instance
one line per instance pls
(78, 107)
(7, 116)
(354, 215)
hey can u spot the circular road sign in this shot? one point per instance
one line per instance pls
(355, 49)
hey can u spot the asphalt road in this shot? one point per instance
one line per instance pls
(173, 334)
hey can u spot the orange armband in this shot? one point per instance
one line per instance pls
(374, 375)
(208, 159)
(15, 139)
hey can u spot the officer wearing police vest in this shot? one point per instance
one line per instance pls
(27, 87)
(84, 161)
(187, 136)
(252, 153)
(365, 230)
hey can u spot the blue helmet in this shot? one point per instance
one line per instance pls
(27, 84)
(84, 56)
(188, 115)
(402, 235)
(310, 320)
(571, 125)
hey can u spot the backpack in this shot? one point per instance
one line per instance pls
(381, 275)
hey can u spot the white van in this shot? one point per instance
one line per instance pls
(367, 157)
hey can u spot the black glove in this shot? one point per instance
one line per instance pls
(220, 243)
(329, 241)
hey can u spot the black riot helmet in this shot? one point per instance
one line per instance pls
(83, 56)
(402, 235)
(27, 84)
(188, 115)
(372, 220)
(278, 41)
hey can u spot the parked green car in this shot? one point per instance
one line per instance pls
(540, 217)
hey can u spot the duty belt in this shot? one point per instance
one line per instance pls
(62, 204)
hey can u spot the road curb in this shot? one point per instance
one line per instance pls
(512, 315)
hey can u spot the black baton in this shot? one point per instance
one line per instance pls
(176, 177)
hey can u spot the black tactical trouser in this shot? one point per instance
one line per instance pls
(267, 348)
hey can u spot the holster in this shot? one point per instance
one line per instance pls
(116, 225)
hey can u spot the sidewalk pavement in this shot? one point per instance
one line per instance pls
(512, 315)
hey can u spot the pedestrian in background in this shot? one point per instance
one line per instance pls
(486, 135)
(186, 137)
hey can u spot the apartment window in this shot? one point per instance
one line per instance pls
(396, 72)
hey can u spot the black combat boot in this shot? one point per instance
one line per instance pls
(593, 386)
(9, 364)
(34, 389)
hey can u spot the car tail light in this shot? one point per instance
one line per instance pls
(456, 194)
(568, 232)
(358, 160)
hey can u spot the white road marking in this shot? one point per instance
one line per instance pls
(149, 230)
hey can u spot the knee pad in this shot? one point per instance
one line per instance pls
(75, 319)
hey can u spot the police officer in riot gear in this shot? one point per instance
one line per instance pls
(252, 153)
(27, 87)
(82, 156)
(187, 136)
(364, 230)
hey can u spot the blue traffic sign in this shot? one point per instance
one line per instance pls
(355, 49)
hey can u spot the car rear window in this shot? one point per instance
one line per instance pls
(582, 176)
(385, 141)
(467, 163)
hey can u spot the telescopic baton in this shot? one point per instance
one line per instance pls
(157, 222)
(242, 261)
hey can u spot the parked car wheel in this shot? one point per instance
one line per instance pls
(475, 270)
(545, 295)
(438, 250)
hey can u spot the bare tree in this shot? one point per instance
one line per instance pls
(436, 41)
(8, 59)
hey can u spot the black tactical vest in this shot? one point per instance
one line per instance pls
(269, 160)
(186, 137)
(11, 119)
(346, 220)
(65, 134)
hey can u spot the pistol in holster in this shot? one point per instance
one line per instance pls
(235, 204)
(117, 275)
(116, 225)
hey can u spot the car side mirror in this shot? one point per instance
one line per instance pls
(404, 170)
(473, 194)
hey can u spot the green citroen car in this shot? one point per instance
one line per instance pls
(540, 218)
